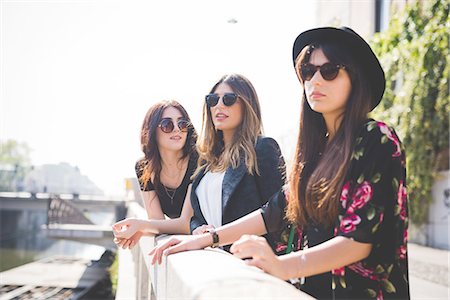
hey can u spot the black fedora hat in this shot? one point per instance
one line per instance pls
(359, 48)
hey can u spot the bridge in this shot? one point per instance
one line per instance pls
(202, 274)
(68, 216)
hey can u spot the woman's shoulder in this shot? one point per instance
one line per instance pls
(141, 162)
(379, 135)
(373, 129)
(140, 165)
(265, 141)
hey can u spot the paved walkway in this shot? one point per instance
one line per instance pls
(429, 272)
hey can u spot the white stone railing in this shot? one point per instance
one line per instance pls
(201, 274)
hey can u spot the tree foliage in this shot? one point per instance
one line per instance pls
(414, 52)
(14, 163)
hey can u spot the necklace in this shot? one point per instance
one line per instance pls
(170, 193)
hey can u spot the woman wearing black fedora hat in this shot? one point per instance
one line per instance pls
(346, 197)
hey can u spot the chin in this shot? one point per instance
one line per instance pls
(316, 109)
(175, 146)
(218, 126)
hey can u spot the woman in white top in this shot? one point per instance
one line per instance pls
(239, 169)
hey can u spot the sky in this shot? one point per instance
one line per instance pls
(77, 77)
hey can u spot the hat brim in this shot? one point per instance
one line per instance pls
(353, 42)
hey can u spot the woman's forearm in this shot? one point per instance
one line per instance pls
(252, 223)
(332, 254)
(178, 225)
(168, 226)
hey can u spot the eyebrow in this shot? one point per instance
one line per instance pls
(180, 118)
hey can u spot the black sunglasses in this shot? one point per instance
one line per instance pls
(228, 99)
(328, 71)
(167, 125)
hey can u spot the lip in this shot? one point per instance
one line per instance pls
(316, 94)
(175, 137)
(220, 116)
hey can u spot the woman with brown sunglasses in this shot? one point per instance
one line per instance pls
(346, 196)
(164, 173)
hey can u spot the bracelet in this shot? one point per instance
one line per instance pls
(215, 238)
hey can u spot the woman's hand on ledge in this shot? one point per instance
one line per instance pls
(202, 229)
(258, 253)
(126, 228)
(128, 243)
(174, 245)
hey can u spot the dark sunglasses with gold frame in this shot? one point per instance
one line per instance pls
(168, 126)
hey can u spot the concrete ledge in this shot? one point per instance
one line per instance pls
(215, 274)
(200, 275)
(126, 276)
(134, 277)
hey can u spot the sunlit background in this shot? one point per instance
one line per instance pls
(77, 77)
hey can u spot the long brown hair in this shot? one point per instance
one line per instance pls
(319, 169)
(212, 152)
(151, 164)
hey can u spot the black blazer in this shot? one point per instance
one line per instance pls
(243, 193)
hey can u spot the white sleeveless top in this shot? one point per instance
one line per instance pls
(209, 193)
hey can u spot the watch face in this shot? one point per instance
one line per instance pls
(215, 238)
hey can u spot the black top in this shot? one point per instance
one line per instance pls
(171, 200)
(372, 209)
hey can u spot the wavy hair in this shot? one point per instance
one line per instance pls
(151, 164)
(213, 154)
(317, 179)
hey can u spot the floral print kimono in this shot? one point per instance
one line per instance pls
(373, 209)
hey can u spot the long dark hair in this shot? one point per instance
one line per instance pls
(319, 169)
(151, 164)
(212, 152)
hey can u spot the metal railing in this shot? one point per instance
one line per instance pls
(61, 211)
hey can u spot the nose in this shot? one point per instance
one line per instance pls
(317, 78)
(220, 102)
(176, 128)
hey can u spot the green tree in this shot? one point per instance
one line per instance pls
(14, 163)
(414, 52)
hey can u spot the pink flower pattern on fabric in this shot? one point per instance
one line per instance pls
(344, 194)
(338, 272)
(388, 133)
(348, 223)
(360, 197)
(401, 199)
(401, 252)
(361, 270)
(280, 247)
